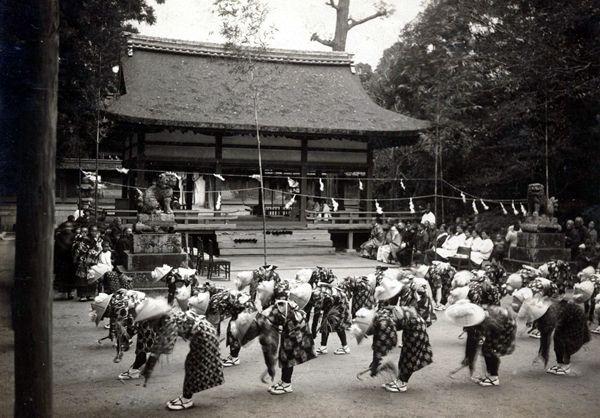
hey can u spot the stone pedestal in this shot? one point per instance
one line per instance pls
(153, 247)
(537, 248)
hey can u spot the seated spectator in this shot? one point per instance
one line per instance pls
(450, 246)
(441, 237)
(588, 255)
(499, 252)
(393, 243)
(468, 238)
(325, 211)
(482, 248)
(368, 249)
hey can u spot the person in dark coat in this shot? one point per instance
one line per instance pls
(63, 261)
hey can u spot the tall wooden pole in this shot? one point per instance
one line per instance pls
(31, 35)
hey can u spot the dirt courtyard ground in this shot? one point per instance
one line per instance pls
(85, 381)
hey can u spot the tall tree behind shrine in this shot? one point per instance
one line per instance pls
(91, 42)
(344, 22)
(500, 74)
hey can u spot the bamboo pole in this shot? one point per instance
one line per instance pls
(33, 28)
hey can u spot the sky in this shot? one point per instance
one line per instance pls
(294, 20)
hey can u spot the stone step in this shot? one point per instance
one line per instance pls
(278, 251)
(288, 244)
(541, 240)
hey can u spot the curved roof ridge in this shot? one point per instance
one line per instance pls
(144, 42)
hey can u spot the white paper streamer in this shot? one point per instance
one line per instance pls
(220, 177)
(463, 197)
(360, 185)
(475, 211)
(485, 207)
(290, 202)
(218, 203)
(515, 211)
(523, 210)
(255, 177)
(122, 170)
(504, 211)
(293, 184)
(402, 185)
(321, 185)
(334, 204)
(378, 208)
(411, 206)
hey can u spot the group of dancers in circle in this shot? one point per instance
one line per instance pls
(555, 304)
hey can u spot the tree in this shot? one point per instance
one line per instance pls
(91, 42)
(243, 25)
(344, 22)
(498, 78)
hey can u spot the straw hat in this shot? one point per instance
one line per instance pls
(465, 314)
(361, 323)
(304, 275)
(582, 292)
(420, 271)
(514, 282)
(151, 308)
(264, 291)
(99, 306)
(243, 279)
(239, 327)
(301, 294)
(534, 308)
(387, 289)
(159, 272)
(520, 295)
(199, 303)
(458, 294)
(185, 272)
(96, 271)
(372, 280)
(462, 278)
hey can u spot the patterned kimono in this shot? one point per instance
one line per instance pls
(332, 306)
(527, 276)
(495, 273)
(571, 331)
(121, 313)
(369, 248)
(483, 292)
(284, 335)
(559, 273)
(360, 293)
(537, 286)
(546, 325)
(415, 297)
(113, 281)
(262, 274)
(498, 331)
(416, 350)
(203, 366)
(440, 276)
(86, 253)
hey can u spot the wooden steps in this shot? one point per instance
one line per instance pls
(279, 242)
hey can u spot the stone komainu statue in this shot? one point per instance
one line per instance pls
(157, 198)
(537, 204)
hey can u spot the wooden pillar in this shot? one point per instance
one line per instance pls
(303, 180)
(188, 191)
(141, 178)
(218, 166)
(30, 37)
(369, 185)
(340, 190)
